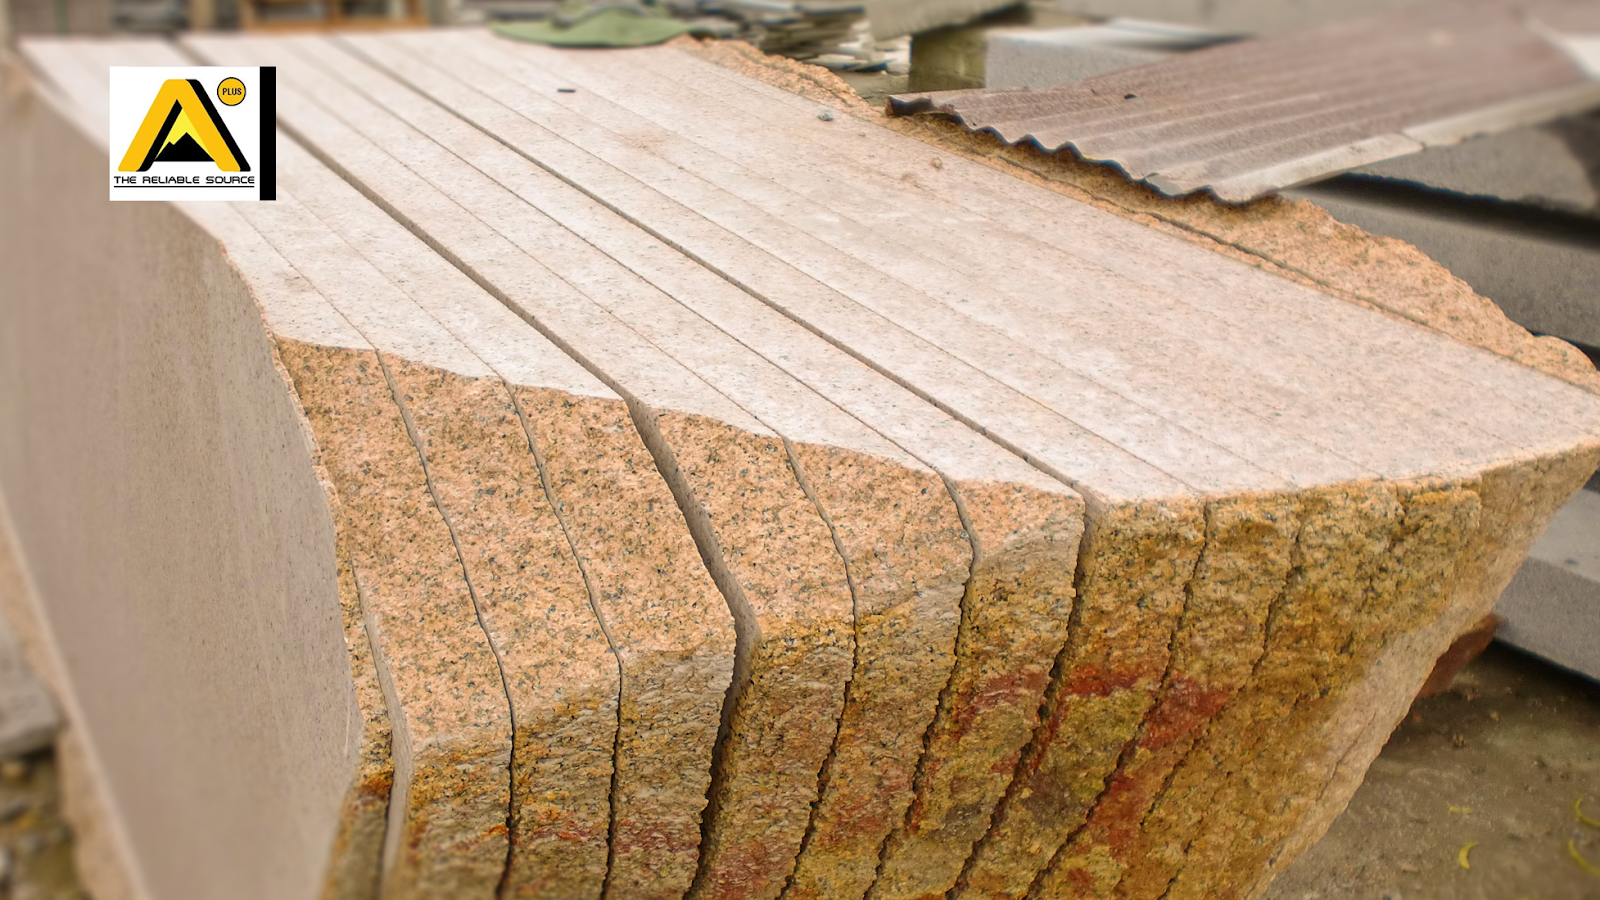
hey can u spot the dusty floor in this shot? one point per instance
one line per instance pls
(1497, 762)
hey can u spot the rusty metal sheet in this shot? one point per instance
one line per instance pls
(1245, 119)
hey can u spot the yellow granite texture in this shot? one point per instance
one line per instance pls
(1136, 562)
(1342, 532)
(1014, 621)
(1240, 575)
(674, 634)
(453, 839)
(796, 645)
(558, 668)
(1140, 839)
(908, 558)
(1515, 503)
(1411, 587)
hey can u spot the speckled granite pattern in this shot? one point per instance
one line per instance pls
(674, 634)
(908, 558)
(1014, 622)
(1342, 533)
(795, 654)
(1514, 503)
(1220, 636)
(456, 720)
(1415, 544)
(559, 671)
(634, 648)
(1412, 587)
(1135, 564)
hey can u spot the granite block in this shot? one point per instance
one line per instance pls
(1114, 720)
(452, 723)
(796, 640)
(558, 668)
(673, 633)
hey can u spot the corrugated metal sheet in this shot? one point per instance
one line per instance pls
(1245, 119)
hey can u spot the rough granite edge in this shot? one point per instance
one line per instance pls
(1326, 580)
(1410, 577)
(1120, 703)
(556, 662)
(796, 639)
(673, 632)
(1296, 240)
(1014, 620)
(1221, 634)
(453, 836)
(908, 558)
(1516, 503)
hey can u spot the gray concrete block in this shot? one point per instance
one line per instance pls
(1552, 607)
(1545, 166)
(1255, 16)
(1018, 58)
(1544, 280)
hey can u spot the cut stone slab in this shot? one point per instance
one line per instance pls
(766, 541)
(1389, 463)
(411, 68)
(685, 83)
(557, 666)
(1022, 693)
(670, 628)
(453, 731)
(131, 609)
(1219, 639)
(784, 245)
(879, 716)
(298, 235)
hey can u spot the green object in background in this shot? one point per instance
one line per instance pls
(610, 27)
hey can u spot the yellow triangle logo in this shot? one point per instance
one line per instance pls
(182, 126)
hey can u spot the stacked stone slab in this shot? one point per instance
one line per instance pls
(717, 495)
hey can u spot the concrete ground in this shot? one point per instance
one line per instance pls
(1496, 764)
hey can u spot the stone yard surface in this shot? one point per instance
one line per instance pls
(1497, 762)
